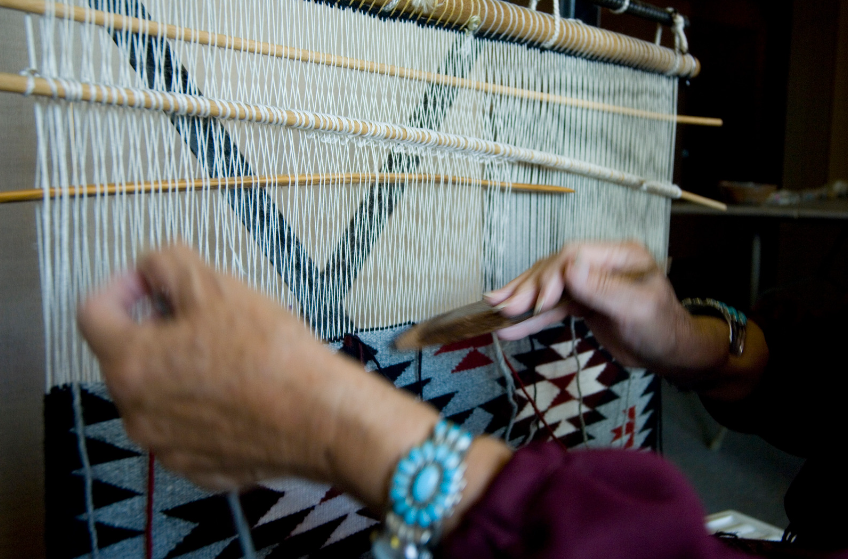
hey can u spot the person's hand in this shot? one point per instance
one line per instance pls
(628, 303)
(618, 289)
(226, 387)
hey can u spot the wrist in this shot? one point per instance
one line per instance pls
(375, 424)
(700, 345)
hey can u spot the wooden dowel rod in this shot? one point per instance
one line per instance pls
(152, 28)
(709, 202)
(143, 99)
(193, 105)
(183, 185)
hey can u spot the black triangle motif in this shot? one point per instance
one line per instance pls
(460, 417)
(500, 409)
(307, 542)
(441, 402)
(110, 535)
(214, 523)
(268, 534)
(105, 494)
(392, 372)
(96, 409)
(416, 387)
(100, 452)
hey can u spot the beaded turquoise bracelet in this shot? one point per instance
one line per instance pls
(736, 320)
(425, 488)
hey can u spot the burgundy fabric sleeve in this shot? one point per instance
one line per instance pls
(602, 504)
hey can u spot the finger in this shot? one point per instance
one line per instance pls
(533, 324)
(602, 290)
(175, 274)
(551, 286)
(105, 319)
(499, 296)
(525, 288)
(522, 300)
(627, 257)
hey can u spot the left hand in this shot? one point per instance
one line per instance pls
(229, 388)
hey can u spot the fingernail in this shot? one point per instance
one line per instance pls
(540, 302)
(501, 306)
(494, 294)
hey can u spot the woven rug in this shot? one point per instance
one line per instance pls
(587, 399)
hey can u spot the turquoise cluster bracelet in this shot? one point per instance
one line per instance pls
(424, 490)
(736, 321)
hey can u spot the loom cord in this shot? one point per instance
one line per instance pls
(535, 425)
(79, 425)
(576, 355)
(538, 413)
(510, 387)
(151, 488)
(241, 525)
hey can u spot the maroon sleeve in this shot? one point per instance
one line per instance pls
(601, 504)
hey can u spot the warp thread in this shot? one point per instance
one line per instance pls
(79, 425)
(576, 356)
(242, 527)
(510, 386)
(536, 410)
(151, 488)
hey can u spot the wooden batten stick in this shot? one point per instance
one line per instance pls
(136, 25)
(184, 185)
(708, 202)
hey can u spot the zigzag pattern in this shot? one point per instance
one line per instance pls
(295, 518)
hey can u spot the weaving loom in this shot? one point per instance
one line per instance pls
(367, 164)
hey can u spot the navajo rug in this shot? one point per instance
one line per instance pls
(587, 399)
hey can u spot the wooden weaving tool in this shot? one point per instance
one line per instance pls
(459, 324)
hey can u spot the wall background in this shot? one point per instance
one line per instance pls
(21, 331)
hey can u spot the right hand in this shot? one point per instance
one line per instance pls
(617, 288)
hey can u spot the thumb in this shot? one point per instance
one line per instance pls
(105, 318)
(176, 276)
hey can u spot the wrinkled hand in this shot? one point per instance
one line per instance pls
(228, 388)
(617, 288)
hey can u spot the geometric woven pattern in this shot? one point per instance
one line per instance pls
(573, 381)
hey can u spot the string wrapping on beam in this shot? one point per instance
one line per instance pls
(517, 23)
(193, 105)
(495, 17)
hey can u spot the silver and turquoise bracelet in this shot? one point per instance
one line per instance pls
(736, 320)
(424, 490)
